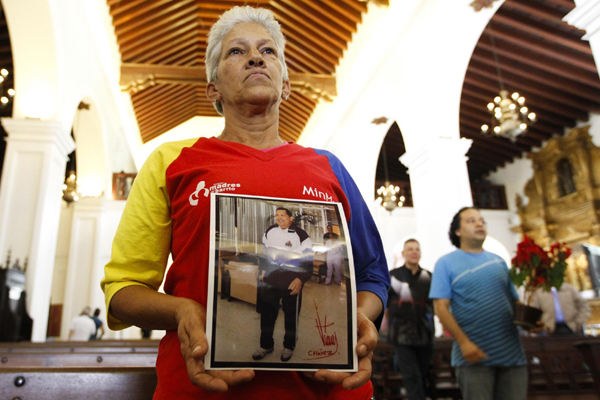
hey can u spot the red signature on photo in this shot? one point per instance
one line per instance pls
(329, 341)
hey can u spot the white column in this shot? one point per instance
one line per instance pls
(440, 187)
(30, 196)
(586, 16)
(85, 268)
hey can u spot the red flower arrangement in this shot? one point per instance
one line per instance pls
(534, 267)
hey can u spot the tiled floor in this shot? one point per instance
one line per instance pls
(238, 328)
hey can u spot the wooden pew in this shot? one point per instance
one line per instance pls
(78, 370)
(97, 354)
(556, 369)
(77, 383)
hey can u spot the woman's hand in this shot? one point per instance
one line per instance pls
(367, 340)
(191, 329)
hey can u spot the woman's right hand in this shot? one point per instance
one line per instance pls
(191, 329)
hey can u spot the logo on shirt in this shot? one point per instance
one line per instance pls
(216, 188)
(317, 193)
(288, 244)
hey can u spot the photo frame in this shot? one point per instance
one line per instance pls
(256, 259)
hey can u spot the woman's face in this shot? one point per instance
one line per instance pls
(249, 71)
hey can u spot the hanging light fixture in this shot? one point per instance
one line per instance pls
(388, 195)
(70, 193)
(70, 190)
(510, 115)
(5, 98)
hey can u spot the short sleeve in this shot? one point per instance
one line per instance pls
(440, 281)
(142, 243)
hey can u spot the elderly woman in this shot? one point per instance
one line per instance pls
(168, 211)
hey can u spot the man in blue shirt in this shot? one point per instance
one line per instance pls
(473, 298)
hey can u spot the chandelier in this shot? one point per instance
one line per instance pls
(388, 195)
(510, 115)
(10, 93)
(70, 193)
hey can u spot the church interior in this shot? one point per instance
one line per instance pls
(432, 105)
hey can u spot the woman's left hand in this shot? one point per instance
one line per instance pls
(367, 340)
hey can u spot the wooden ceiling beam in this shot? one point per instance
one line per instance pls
(164, 119)
(140, 10)
(159, 27)
(313, 52)
(528, 28)
(329, 12)
(349, 13)
(284, 15)
(157, 53)
(321, 20)
(184, 97)
(521, 70)
(160, 17)
(318, 65)
(190, 53)
(180, 26)
(544, 63)
(175, 121)
(147, 103)
(567, 5)
(121, 7)
(360, 5)
(146, 48)
(546, 49)
(554, 16)
(485, 159)
(162, 103)
(297, 108)
(308, 41)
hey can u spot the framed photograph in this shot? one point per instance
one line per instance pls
(282, 293)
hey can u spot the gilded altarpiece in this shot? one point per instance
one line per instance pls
(564, 199)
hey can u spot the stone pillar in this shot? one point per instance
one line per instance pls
(30, 196)
(586, 16)
(85, 268)
(440, 187)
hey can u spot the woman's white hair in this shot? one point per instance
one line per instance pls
(229, 19)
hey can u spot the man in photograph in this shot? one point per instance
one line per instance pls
(285, 266)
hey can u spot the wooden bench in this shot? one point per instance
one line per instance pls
(97, 354)
(77, 383)
(556, 369)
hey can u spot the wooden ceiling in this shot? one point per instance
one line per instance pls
(163, 45)
(542, 58)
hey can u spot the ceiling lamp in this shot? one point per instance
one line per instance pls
(70, 193)
(5, 99)
(510, 115)
(388, 195)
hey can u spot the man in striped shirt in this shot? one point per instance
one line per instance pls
(474, 297)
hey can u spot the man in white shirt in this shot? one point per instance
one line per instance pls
(82, 327)
(286, 265)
